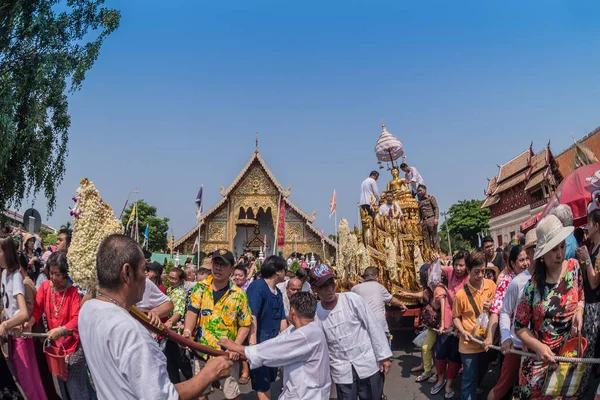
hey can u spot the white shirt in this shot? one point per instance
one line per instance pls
(286, 301)
(385, 208)
(513, 294)
(367, 189)
(376, 297)
(354, 338)
(125, 361)
(414, 178)
(40, 279)
(12, 285)
(153, 297)
(303, 354)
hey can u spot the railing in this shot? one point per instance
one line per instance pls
(539, 203)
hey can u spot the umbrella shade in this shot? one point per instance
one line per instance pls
(577, 191)
(388, 148)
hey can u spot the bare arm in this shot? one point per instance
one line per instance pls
(253, 332)
(491, 329)
(442, 313)
(189, 323)
(19, 319)
(242, 334)
(164, 309)
(215, 369)
(283, 325)
(593, 276)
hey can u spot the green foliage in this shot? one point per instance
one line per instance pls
(46, 48)
(67, 225)
(50, 239)
(294, 267)
(456, 241)
(158, 227)
(466, 221)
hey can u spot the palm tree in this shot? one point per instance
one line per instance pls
(66, 226)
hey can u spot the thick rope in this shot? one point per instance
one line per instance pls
(533, 355)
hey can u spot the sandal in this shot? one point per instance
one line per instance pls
(437, 388)
(449, 395)
(433, 378)
(244, 380)
(423, 377)
(417, 369)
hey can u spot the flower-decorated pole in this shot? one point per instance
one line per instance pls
(93, 221)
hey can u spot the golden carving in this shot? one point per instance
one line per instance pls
(216, 231)
(294, 231)
(256, 182)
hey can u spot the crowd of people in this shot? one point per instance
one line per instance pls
(534, 296)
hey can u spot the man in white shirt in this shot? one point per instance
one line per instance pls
(369, 189)
(377, 297)
(391, 208)
(413, 178)
(290, 288)
(359, 352)
(124, 360)
(301, 350)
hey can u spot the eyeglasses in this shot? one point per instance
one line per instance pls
(478, 272)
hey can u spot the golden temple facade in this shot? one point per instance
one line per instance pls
(248, 211)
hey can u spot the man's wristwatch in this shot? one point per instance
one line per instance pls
(588, 261)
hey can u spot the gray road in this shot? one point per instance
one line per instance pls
(400, 382)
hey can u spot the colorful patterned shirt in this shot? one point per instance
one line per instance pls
(177, 296)
(504, 280)
(222, 319)
(548, 311)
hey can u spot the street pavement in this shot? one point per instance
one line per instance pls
(400, 382)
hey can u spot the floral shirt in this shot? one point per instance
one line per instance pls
(548, 311)
(223, 319)
(178, 297)
(504, 280)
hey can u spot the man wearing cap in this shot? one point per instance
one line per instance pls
(219, 309)
(268, 318)
(358, 348)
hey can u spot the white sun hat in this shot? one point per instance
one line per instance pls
(530, 239)
(550, 233)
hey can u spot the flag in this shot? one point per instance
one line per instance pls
(265, 244)
(145, 245)
(199, 203)
(332, 205)
(132, 231)
(281, 226)
(322, 236)
(132, 215)
(196, 244)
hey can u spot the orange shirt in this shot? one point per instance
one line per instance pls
(462, 309)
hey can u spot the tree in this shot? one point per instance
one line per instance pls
(157, 227)
(67, 225)
(45, 50)
(467, 221)
(456, 241)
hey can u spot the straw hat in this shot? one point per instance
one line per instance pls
(550, 233)
(27, 237)
(530, 239)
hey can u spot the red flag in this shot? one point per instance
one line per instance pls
(281, 226)
(332, 204)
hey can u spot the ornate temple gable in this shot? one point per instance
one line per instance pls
(255, 182)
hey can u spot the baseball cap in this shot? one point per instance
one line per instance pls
(155, 266)
(321, 274)
(224, 255)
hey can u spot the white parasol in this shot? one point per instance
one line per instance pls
(388, 148)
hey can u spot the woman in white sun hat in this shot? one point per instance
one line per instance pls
(551, 308)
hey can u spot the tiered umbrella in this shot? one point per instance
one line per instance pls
(577, 191)
(388, 148)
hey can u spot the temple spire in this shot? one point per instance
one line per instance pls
(256, 148)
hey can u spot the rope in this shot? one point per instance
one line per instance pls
(533, 355)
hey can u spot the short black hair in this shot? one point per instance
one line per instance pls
(68, 235)
(371, 272)
(301, 273)
(179, 272)
(422, 186)
(114, 252)
(271, 265)
(487, 239)
(461, 255)
(374, 173)
(242, 267)
(58, 259)
(403, 165)
(304, 303)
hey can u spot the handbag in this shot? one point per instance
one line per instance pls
(430, 317)
(565, 380)
(419, 341)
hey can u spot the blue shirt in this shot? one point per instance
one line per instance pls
(571, 243)
(267, 308)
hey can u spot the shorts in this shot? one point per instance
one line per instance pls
(229, 385)
(262, 378)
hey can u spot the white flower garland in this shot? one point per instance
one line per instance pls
(93, 221)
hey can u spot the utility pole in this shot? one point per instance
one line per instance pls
(445, 214)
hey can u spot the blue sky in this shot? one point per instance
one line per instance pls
(180, 89)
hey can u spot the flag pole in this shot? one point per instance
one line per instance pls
(337, 241)
(277, 225)
(137, 235)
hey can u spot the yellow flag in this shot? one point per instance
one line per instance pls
(132, 216)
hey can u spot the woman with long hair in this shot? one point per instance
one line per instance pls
(551, 308)
(59, 301)
(447, 357)
(516, 263)
(20, 350)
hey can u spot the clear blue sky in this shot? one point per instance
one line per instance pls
(180, 89)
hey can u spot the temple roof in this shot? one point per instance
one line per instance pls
(517, 164)
(565, 158)
(256, 157)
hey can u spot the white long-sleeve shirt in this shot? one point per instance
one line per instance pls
(367, 189)
(414, 178)
(303, 354)
(514, 291)
(355, 338)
